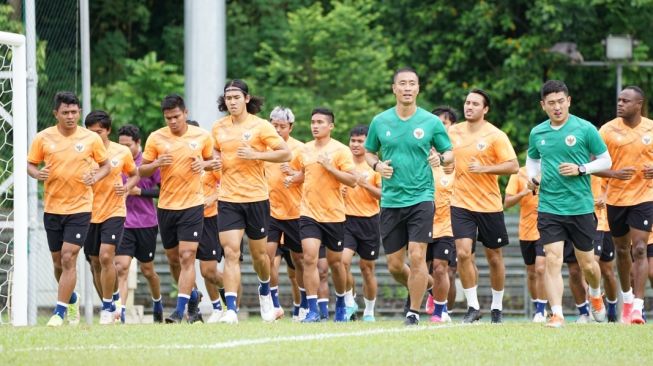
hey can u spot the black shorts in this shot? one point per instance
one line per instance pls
(139, 243)
(401, 225)
(440, 248)
(254, 217)
(331, 234)
(180, 225)
(649, 251)
(579, 229)
(290, 231)
(622, 218)
(605, 246)
(285, 254)
(209, 248)
(107, 232)
(363, 237)
(322, 254)
(453, 258)
(570, 254)
(61, 229)
(487, 227)
(531, 249)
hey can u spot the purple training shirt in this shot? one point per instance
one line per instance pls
(141, 212)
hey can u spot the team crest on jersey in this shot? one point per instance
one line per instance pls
(114, 162)
(365, 175)
(543, 142)
(646, 140)
(570, 140)
(247, 135)
(193, 145)
(387, 133)
(79, 147)
(444, 181)
(481, 145)
(418, 133)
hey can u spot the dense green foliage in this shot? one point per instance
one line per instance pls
(341, 54)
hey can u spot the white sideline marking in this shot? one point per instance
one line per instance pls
(236, 343)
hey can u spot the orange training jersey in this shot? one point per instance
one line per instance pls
(244, 180)
(284, 202)
(598, 188)
(210, 183)
(106, 203)
(489, 146)
(629, 147)
(180, 187)
(443, 192)
(358, 200)
(321, 197)
(527, 206)
(69, 158)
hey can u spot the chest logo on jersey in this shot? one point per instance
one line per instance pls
(418, 133)
(193, 145)
(646, 140)
(247, 135)
(79, 147)
(387, 133)
(114, 162)
(444, 181)
(570, 140)
(481, 145)
(364, 175)
(543, 142)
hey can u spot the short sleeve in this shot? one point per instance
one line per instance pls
(597, 145)
(99, 151)
(214, 136)
(150, 153)
(270, 137)
(36, 154)
(344, 161)
(503, 149)
(377, 179)
(513, 185)
(128, 163)
(372, 142)
(533, 152)
(440, 139)
(297, 162)
(207, 149)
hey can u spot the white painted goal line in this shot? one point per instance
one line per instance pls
(234, 343)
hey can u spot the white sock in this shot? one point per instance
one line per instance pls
(349, 298)
(595, 292)
(557, 309)
(628, 296)
(638, 304)
(497, 300)
(472, 298)
(369, 306)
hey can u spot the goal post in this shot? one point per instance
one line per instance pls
(13, 115)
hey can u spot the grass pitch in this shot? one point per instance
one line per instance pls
(387, 342)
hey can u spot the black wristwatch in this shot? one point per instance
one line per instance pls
(582, 170)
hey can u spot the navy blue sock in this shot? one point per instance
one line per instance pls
(324, 307)
(157, 305)
(194, 295)
(230, 299)
(106, 304)
(182, 301)
(263, 287)
(304, 301)
(295, 309)
(73, 298)
(340, 301)
(221, 291)
(612, 309)
(439, 308)
(445, 310)
(217, 305)
(312, 303)
(274, 291)
(61, 309)
(116, 296)
(583, 309)
(540, 307)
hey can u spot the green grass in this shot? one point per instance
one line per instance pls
(286, 343)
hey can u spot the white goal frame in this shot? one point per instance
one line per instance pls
(18, 289)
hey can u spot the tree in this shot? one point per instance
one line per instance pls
(335, 59)
(136, 99)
